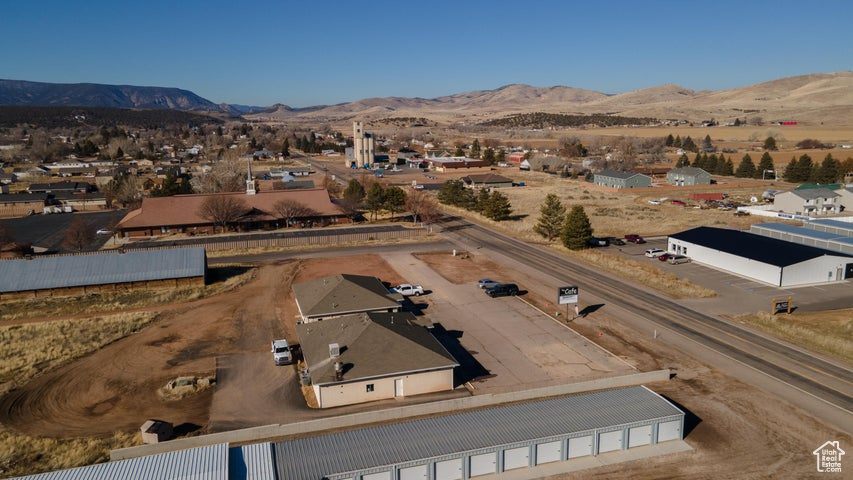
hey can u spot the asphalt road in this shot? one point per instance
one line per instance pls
(821, 387)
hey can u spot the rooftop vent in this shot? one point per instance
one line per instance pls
(334, 350)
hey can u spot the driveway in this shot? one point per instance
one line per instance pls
(519, 346)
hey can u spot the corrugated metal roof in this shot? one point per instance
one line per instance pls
(805, 236)
(203, 463)
(98, 269)
(315, 457)
(251, 462)
(842, 228)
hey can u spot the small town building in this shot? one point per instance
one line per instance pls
(486, 180)
(373, 356)
(811, 201)
(343, 294)
(806, 236)
(443, 164)
(81, 187)
(763, 259)
(683, 176)
(102, 272)
(615, 179)
(845, 197)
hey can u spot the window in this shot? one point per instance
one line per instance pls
(369, 387)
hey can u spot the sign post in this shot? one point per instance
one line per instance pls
(567, 295)
(782, 305)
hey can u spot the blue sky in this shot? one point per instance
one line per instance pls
(311, 53)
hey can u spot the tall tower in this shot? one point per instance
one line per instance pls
(364, 148)
(250, 181)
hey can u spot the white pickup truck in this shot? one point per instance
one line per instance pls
(281, 352)
(407, 289)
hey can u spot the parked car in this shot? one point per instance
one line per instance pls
(104, 231)
(634, 238)
(502, 290)
(407, 289)
(598, 242)
(664, 257)
(616, 241)
(654, 202)
(654, 252)
(487, 283)
(281, 352)
(678, 202)
(676, 259)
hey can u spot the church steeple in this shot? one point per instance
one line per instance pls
(250, 181)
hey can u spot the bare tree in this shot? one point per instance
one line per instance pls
(226, 175)
(290, 210)
(78, 234)
(222, 209)
(331, 186)
(422, 206)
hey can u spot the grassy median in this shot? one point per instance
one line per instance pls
(829, 332)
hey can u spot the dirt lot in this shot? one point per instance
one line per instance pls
(737, 431)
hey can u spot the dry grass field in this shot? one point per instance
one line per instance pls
(829, 332)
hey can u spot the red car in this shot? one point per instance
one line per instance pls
(634, 238)
(679, 202)
(664, 257)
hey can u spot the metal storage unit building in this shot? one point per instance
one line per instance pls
(764, 259)
(488, 441)
(843, 229)
(805, 236)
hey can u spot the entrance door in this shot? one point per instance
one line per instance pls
(848, 272)
(398, 387)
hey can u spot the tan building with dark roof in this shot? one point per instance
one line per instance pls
(343, 294)
(180, 213)
(487, 180)
(373, 356)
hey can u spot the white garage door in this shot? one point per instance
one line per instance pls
(580, 447)
(549, 452)
(483, 464)
(669, 431)
(516, 458)
(378, 476)
(413, 473)
(640, 436)
(449, 470)
(607, 442)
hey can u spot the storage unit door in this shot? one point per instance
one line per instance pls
(449, 470)
(549, 452)
(483, 464)
(580, 447)
(607, 442)
(516, 458)
(640, 436)
(669, 431)
(418, 472)
(378, 476)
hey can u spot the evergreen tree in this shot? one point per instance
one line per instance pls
(669, 140)
(829, 171)
(500, 156)
(475, 149)
(285, 148)
(737, 122)
(354, 193)
(552, 214)
(711, 164)
(395, 199)
(489, 155)
(577, 231)
(483, 198)
(677, 142)
(119, 154)
(374, 201)
(459, 152)
(765, 166)
(688, 145)
(729, 168)
(746, 169)
(454, 192)
(706, 144)
(498, 208)
(682, 161)
(804, 169)
(790, 174)
(770, 143)
(697, 161)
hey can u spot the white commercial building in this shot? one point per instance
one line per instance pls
(768, 260)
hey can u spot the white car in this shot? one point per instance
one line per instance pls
(104, 231)
(407, 289)
(281, 352)
(654, 252)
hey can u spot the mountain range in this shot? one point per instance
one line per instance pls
(823, 98)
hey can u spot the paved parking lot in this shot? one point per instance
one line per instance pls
(736, 294)
(518, 346)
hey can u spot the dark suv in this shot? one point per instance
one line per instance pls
(502, 290)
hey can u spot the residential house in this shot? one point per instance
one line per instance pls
(614, 179)
(845, 197)
(486, 180)
(812, 201)
(688, 176)
(343, 294)
(81, 187)
(373, 356)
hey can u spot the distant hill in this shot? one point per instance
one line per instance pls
(815, 99)
(23, 93)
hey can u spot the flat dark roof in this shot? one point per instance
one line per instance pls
(762, 249)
